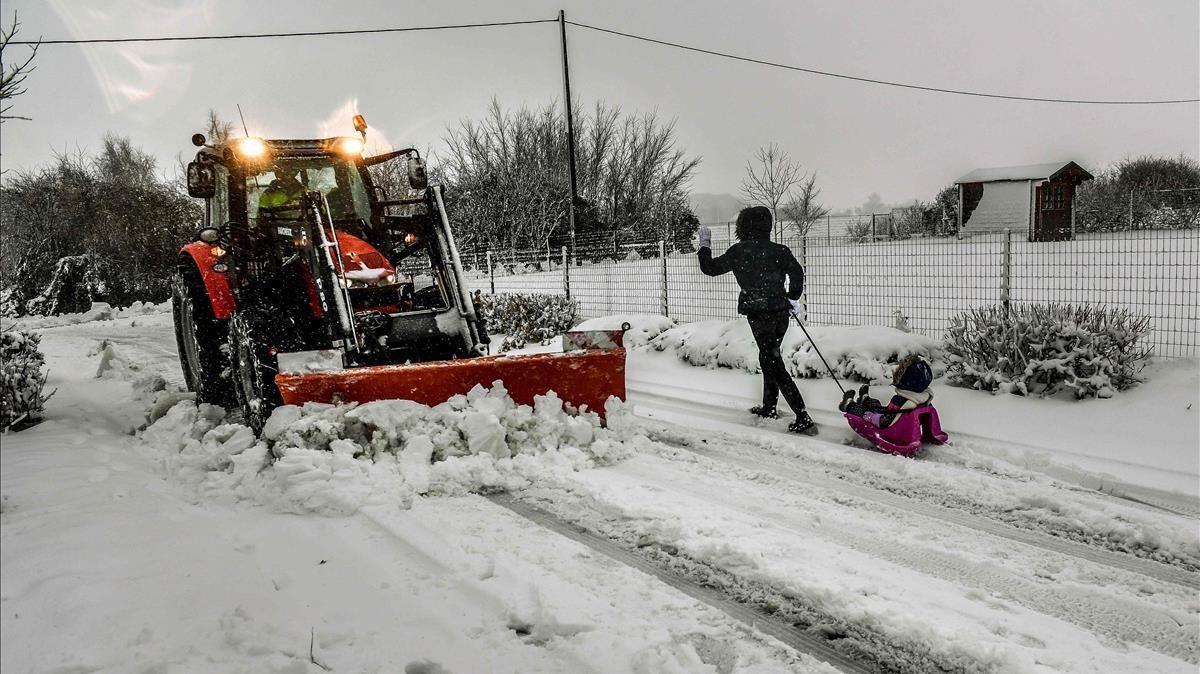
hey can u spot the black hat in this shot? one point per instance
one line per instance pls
(912, 374)
(754, 223)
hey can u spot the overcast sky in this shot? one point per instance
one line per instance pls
(859, 138)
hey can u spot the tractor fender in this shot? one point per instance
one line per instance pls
(216, 284)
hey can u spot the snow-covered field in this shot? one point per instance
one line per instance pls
(1049, 536)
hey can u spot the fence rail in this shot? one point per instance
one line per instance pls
(922, 282)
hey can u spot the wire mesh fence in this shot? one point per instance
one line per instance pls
(918, 282)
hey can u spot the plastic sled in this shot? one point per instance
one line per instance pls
(905, 436)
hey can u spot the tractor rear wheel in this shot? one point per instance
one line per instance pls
(200, 338)
(254, 368)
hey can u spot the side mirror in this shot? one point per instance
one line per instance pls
(198, 139)
(417, 179)
(201, 180)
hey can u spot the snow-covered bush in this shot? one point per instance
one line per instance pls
(1165, 217)
(866, 353)
(1093, 351)
(12, 304)
(528, 317)
(76, 282)
(858, 230)
(21, 379)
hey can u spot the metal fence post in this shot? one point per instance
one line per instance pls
(828, 230)
(1006, 270)
(662, 290)
(872, 228)
(491, 272)
(804, 265)
(566, 273)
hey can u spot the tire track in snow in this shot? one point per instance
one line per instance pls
(1085, 483)
(1122, 561)
(1117, 618)
(762, 621)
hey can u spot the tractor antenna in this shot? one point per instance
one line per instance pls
(244, 129)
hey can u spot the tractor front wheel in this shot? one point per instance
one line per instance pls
(253, 369)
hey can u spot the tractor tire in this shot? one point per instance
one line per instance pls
(201, 339)
(253, 368)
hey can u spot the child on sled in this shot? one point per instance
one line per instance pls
(911, 380)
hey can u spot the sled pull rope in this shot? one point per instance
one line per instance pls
(814, 346)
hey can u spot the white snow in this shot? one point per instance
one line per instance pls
(642, 327)
(861, 352)
(1026, 172)
(1003, 205)
(366, 274)
(100, 311)
(165, 552)
(358, 531)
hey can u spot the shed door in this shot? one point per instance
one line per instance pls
(1053, 212)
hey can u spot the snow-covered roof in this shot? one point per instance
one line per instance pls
(1029, 172)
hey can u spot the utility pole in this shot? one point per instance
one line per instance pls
(562, 31)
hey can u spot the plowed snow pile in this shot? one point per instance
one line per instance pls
(335, 459)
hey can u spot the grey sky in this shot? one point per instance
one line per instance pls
(859, 138)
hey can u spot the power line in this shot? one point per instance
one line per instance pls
(665, 43)
(869, 80)
(249, 36)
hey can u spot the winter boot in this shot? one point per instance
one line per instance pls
(803, 424)
(847, 398)
(763, 412)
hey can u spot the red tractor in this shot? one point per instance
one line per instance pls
(308, 282)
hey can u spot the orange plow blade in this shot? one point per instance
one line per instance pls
(581, 377)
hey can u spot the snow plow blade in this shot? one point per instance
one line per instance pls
(587, 373)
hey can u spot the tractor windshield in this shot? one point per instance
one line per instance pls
(277, 190)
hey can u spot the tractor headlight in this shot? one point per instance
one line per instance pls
(349, 146)
(252, 148)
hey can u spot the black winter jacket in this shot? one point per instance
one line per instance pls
(760, 267)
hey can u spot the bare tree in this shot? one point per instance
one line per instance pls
(802, 210)
(218, 130)
(12, 75)
(509, 187)
(769, 179)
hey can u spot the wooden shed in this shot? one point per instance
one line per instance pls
(1037, 199)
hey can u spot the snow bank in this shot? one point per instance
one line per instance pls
(865, 353)
(100, 311)
(335, 459)
(643, 327)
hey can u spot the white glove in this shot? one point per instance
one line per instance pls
(705, 235)
(798, 310)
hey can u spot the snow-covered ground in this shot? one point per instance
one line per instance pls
(1050, 536)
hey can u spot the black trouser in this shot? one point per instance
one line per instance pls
(768, 329)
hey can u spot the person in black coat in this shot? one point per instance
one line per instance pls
(761, 267)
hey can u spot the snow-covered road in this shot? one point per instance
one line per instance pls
(981, 557)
